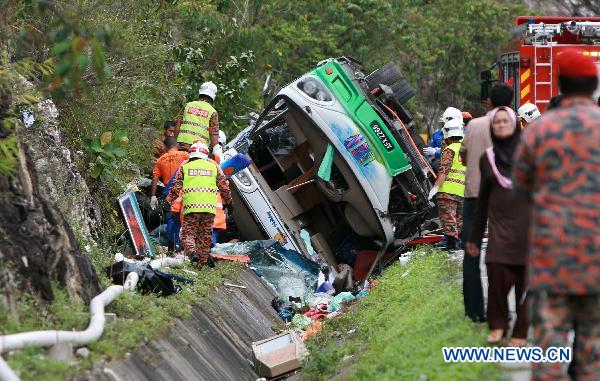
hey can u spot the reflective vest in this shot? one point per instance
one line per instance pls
(455, 180)
(220, 219)
(195, 123)
(200, 187)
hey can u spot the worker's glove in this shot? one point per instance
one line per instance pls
(217, 152)
(429, 151)
(432, 193)
(153, 202)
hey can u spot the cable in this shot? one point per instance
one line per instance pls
(411, 140)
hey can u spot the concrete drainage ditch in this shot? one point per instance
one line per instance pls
(213, 344)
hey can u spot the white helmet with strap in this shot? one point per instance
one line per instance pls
(529, 112)
(208, 89)
(198, 150)
(453, 128)
(451, 113)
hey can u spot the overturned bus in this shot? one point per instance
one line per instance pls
(335, 164)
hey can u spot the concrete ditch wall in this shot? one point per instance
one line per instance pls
(213, 344)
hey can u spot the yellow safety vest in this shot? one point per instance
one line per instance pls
(195, 123)
(200, 186)
(455, 180)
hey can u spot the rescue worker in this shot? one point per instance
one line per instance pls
(159, 147)
(451, 184)
(434, 151)
(198, 182)
(556, 169)
(164, 170)
(220, 218)
(200, 121)
(528, 113)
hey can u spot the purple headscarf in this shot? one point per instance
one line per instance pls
(504, 149)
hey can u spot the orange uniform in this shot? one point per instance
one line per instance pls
(167, 164)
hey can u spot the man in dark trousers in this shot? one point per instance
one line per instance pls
(477, 139)
(558, 169)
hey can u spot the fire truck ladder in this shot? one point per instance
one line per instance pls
(539, 48)
(541, 37)
(542, 43)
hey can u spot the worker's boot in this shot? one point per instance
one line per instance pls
(451, 244)
(194, 257)
(210, 263)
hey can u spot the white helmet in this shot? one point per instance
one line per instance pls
(222, 138)
(529, 112)
(453, 128)
(198, 150)
(451, 113)
(209, 89)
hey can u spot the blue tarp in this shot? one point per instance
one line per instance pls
(287, 271)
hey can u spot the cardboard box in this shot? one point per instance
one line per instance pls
(278, 355)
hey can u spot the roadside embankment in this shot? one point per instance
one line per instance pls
(398, 331)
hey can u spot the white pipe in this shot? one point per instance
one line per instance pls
(92, 333)
(94, 329)
(6, 373)
(166, 261)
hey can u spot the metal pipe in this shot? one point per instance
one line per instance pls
(94, 329)
(92, 333)
(6, 373)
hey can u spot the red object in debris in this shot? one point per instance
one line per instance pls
(231, 257)
(362, 264)
(428, 239)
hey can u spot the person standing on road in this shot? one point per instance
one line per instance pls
(200, 121)
(433, 152)
(557, 167)
(198, 181)
(451, 184)
(477, 139)
(506, 255)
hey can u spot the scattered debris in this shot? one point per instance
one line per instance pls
(83, 352)
(233, 285)
(278, 355)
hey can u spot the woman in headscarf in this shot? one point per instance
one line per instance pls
(506, 257)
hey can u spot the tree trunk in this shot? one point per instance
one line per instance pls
(37, 246)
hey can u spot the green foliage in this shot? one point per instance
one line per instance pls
(14, 96)
(106, 151)
(401, 327)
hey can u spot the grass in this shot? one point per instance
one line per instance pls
(139, 318)
(399, 330)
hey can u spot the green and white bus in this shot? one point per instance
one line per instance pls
(334, 161)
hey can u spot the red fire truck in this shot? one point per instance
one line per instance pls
(528, 63)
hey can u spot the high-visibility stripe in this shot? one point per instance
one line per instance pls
(525, 75)
(192, 133)
(453, 180)
(203, 190)
(458, 171)
(194, 124)
(199, 206)
(525, 91)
